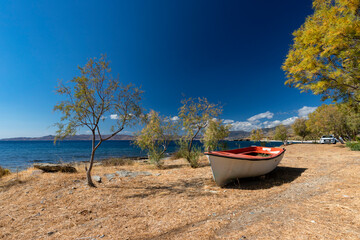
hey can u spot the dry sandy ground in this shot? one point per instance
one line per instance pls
(313, 194)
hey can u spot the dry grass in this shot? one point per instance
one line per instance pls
(314, 194)
(4, 171)
(117, 162)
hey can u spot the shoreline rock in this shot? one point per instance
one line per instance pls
(50, 167)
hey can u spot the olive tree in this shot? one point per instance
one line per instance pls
(195, 115)
(89, 98)
(156, 136)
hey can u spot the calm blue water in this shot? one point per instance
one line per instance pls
(22, 154)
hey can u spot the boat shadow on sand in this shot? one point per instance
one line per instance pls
(277, 177)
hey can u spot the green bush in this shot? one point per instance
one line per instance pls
(4, 171)
(193, 157)
(183, 152)
(354, 146)
(155, 158)
(177, 155)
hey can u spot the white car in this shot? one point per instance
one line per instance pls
(328, 139)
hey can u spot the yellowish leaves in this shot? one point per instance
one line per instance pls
(325, 54)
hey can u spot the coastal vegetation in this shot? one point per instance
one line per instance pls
(256, 135)
(195, 115)
(299, 127)
(214, 133)
(324, 57)
(4, 172)
(281, 133)
(89, 97)
(156, 136)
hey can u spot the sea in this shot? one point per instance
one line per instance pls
(19, 155)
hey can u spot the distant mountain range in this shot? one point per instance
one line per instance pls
(82, 137)
(234, 135)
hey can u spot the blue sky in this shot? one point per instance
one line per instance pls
(228, 51)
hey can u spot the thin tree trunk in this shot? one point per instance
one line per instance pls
(192, 139)
(88, 171)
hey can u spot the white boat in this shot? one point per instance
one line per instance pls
(243, 163)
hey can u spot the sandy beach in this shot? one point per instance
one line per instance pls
(313, 194)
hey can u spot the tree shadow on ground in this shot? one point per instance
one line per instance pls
(340, 145)
(172, 166)
(278, 177)
(12, 182)
(182, 165)
(190, 188)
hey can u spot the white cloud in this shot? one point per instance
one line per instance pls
(175, 118)
(256, 117)
(271, 124)
(114, 116)
(102, 117)
(289, 121)
(305, 111)
(257, 121)
(242, 126)
(228, 121)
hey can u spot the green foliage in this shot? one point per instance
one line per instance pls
(340, 120)
(156, 136)
(281, 133)
(215, 132)
(324, 57)
(191, 156)
(256, 135)
(299, 127)
(92, 95)
(4, 172)
(195, 115)
(354, 146)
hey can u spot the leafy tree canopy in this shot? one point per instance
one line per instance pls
(215, 132)
(337, 119)
(256, 135)
(300, 128)
(281, 133)
(324, 57)
(156, 136)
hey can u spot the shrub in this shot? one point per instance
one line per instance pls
(354, 146)
(4, 171)
(192, 157)
(177, 155)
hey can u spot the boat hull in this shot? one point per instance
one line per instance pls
(225, 169)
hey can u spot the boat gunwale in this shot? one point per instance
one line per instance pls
(241, 157)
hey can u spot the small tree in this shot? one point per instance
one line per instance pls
(281, 133)
(256, 135)
(195, 115)
(156, 136)
(215, 132)
(90, 97)
(299, 127)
